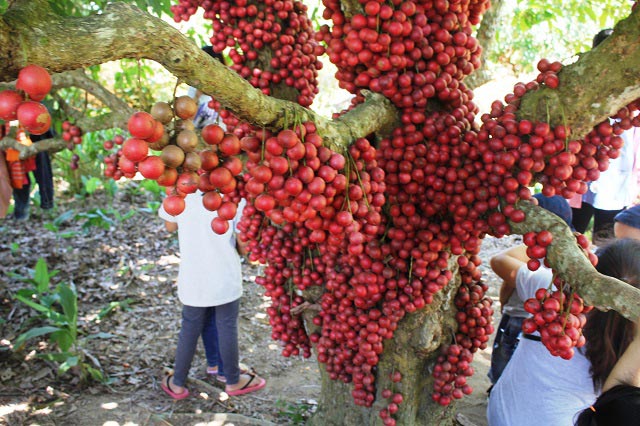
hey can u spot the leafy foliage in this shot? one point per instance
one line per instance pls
(538, 29)
(58, 309)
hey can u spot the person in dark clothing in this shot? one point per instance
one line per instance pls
(44, 178)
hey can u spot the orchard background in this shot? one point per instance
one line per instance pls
(374, 216)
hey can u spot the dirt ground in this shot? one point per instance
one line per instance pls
(134, 262)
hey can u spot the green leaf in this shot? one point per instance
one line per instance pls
(56, 356)
(26, 293)
(35, 332)
(63, 338)
(50, 226)
(38, 307)
(69, 303)
(41, 276)
(72, 361)
(91, 184)
(101, 335)
(96, 374)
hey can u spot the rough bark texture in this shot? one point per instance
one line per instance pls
(123, 31)
(594, 88)
(486, 36)
(570, 263)
(412, 352)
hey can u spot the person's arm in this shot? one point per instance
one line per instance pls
(506, 265)
(170, 226)
(627, 369)
(241, 247)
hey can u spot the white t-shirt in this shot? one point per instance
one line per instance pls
(537, 388)
(617, 187)
(210, 273)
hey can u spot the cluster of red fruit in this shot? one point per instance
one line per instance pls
(442, 178)
(246, 28)
(396, 399)
(410, 51)
(474, 328)
(23, 104)
(523, 152)
(71, 134)
(182, 166)
(305, 250)
(559, 316)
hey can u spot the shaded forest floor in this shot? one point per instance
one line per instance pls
(117, 254)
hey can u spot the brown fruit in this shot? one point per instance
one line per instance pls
(161, 143)
(173, 156)
(184, 125)
(187, 140)
(192, 161)
(162, 112)
(185, 107)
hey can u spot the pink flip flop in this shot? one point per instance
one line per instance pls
(247, 388)
(165, 387)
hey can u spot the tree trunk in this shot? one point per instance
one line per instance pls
(412, 351)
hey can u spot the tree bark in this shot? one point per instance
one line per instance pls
(595, 87)
(570, 264)
(412, 352)
(486, 37)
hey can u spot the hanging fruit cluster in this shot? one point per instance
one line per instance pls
(23, 104)
(379, 226)
(245, 28)
(559, 316)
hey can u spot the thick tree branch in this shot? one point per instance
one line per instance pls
(598, 85)
(569, 262)
(123, 31)
(50, 145)
(486, 36)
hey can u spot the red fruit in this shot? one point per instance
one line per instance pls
(211, 200)
(135, 149)
(212, 134)
(187, 182)
(34, 117)
(209, 160)
(230, 145)
(544, 238)
(173, 204)
(35, 81)
(264, 202)
(219, 225)
(141, 125)
(227, 210)
(158, 131)
(168, 177)
(220, 177)
(9, 102)
(151, 167)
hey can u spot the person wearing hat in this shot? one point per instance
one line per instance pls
(513, 313)
(627, 223)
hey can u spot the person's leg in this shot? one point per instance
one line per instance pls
(192, 324)
(582, 217)
(227, 325)
(21, 201)
(44, 178)
(507, 339)
(226, 317)
(210, 342)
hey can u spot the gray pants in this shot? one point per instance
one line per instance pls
(193, 320)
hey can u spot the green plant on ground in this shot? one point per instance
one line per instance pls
(57, 309)
(297, 412)
(102, 218)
